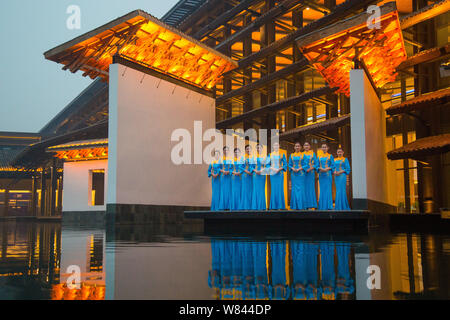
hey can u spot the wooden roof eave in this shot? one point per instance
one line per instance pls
(422, 148)
(326, 125)
(440, 97)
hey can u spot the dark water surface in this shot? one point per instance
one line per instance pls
(155, 262)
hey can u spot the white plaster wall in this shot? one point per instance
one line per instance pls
(367, 138)
(76, 185)
(143, 112)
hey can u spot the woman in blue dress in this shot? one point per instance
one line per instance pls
(214, 174)
(259, 180)
(247, 180)
(325, 167)
(345, 283)
(341, 171)
(277, 165)
(297, 178)
(260, 268)
(309, 162)
(225, 180)
(236, 181)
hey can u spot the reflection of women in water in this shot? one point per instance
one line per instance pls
(325, 166)
(214, 174)
(260, 267)
(279, 288)
(247, 180)
(248, 281)
(236, 181)
(345, 283)
(328, 276)
(236, 267)
(309, 162)
(297, 178)
(226, 273)
(341, 171)
(214, 280)
(259, 180)
(304, 260)
(277, 166)
(225, 180)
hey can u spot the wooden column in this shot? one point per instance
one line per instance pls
(247, 50)
(33, 195)
(53, 178)
(43, 191)
(60, 192)
(405, 141)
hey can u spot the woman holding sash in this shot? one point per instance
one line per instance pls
(297, 178)
(236, 181)
(214, 174)
(225, 180)
(341, 171)
(277, 165)
(309, 162)
(259, 180)
(247, 180)
(325, 167)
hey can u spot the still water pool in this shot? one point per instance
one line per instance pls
(156, 262)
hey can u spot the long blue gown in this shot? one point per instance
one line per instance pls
(260, 267)
(236, 267)
(277, 200)
(345, 283)
(259, 184)
(225, 184)
(215, 167)
(340, 181)
(247, 185)
(309, 158)
(279, 289)
(226, 271)
(328, 281)
(325, 181)
(297, 182)
(236, 185)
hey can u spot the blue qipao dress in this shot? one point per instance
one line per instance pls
(297, 182)
(328, 275)
(259, 184)
(225, 184)
(236, 184)
(340, 181)
(325, 181)
(277, 200)
(215, 167)
(247, 185)
(279, 288)
(309, 160)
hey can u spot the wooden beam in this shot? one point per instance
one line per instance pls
(293, 68)
(270, 15)
(223, 18)
(426, 56)
(275, 106)
(424, 14)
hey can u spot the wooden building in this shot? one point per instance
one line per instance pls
(284, 53)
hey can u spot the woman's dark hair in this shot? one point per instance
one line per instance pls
(236, 149)
(297, 142)
(226, 147)
(324, 143)
(258, 145)
(247, 146)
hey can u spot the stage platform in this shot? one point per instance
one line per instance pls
(281, 221)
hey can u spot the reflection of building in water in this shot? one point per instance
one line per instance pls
(84, 249)
(281, 270)
(29, 259)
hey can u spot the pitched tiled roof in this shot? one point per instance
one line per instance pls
(7, 154)
(422, 147)
(317, 127)
(426, 100)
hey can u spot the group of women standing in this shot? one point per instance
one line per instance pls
(239, 182)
